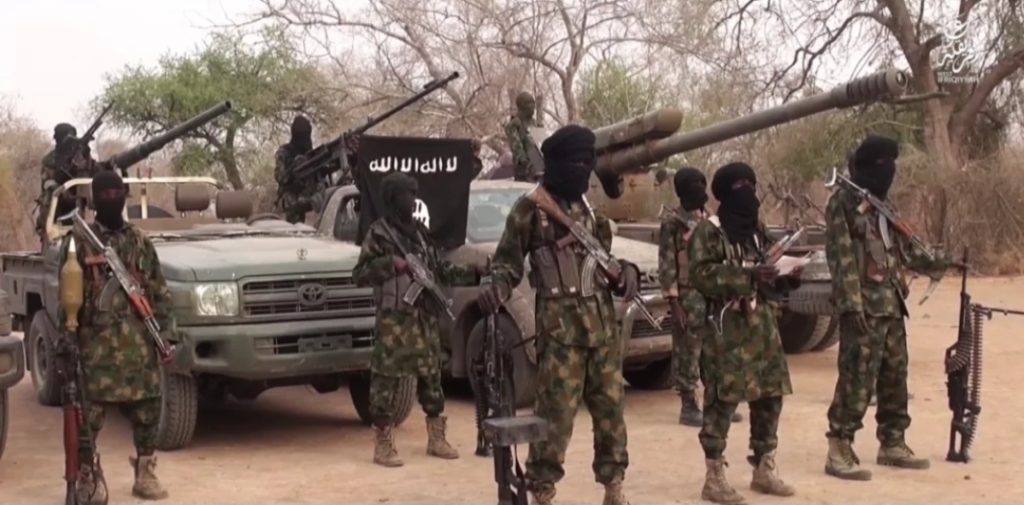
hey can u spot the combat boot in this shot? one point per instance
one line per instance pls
(146, 486)
(384, 452)
(716, 487)
(437, 444)
(613, 494)
(766, 478)
(689, 413)
(901, 456)
(91, 487)
(543, 494)
(843, 463)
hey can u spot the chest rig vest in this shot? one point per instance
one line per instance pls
(401, 291)
(682, 243)
(737, 255)
(102, 283)
(560, 267)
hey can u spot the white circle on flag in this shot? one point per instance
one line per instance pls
(422, 213)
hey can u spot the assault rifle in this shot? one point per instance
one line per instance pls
(499, 429)
(421, 275)
(963, 371)
(332, 156)
(609, 265)
(129, 285)
(90, 134)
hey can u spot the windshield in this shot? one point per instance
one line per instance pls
(487, 212)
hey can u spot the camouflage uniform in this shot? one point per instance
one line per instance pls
(55, 172)
(295, 198)
(866, 279)
(579, 348)
(407, 342)
(674, 274)
(745, 362)
(517, 132)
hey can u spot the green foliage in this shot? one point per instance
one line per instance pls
(266, 82)
(611, 92)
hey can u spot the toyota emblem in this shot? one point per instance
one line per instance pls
(302, 254)
(312, 295)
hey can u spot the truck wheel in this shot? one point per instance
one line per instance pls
(801, 332)
(524, 373)
(656, 376)
(831, 335)
(4, 417)
(359, 390)
(812, 298)
(179, 411)
(41, 334)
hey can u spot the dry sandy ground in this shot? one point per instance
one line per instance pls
(294, 446)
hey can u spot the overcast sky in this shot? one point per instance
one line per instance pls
(56, 52)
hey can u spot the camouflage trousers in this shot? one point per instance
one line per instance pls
(686, 348)
(144, 416)
(566, 375)
(876, 361)
(384, 396)
(764, 424)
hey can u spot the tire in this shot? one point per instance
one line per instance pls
(359, 390)
(812, 298)
(4, 419)
(179, 411)
(41, 335)
(831, 335)
(524, 373)
(656, 376)
(801, 332)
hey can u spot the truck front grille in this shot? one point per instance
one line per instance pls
(328, 296)
(643, 328)
(313, 343)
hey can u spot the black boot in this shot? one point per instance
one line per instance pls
(689, 413)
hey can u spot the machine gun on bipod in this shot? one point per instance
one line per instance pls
(963, 370)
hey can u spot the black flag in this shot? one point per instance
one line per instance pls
(442, 167)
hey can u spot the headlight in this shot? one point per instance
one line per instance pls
(216, 299)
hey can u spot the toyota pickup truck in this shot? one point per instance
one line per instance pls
(12, 367)
(258, 302)
(647, 363)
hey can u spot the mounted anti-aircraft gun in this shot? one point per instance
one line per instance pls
(963, 370)
(332, 156)
(81, 146)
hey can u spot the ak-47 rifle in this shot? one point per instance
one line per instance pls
(499, 429)
(963, 370)
(90, 134)
(422, 277)
(332, 156)
(129, 285)
(609, 265)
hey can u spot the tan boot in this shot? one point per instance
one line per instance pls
(437, 445)
(543, 494)
(91, 487)
(843, 463)
(766, 478)
(900, 455)
(613, 494)
(146, 486)
(384, 452)
(716, 487)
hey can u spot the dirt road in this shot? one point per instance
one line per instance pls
(295, 446)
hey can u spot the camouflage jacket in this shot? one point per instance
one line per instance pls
(517, 132)
(284, 163)
(570, 320)
(408, 341)
(674, 263)
(745, 361)
(118, 357)
(867, 275)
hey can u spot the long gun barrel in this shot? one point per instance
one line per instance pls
(125, 159)
(646, 142)
(90, 134)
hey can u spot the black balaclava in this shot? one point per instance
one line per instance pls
(569, 160)
(691, 188)
(108, 196)
(874, 164)
(302, 136)
(398, 192)
(525, 105)
(738, 208)
(61, 131)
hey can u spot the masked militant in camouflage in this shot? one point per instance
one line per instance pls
(742, 359)
(866, 259)
(119, 361)
(407, 342)
(296, 196)
(517, 133)
(579, 347)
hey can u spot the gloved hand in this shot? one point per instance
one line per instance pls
(629, 281)
(766, 273)
(401, 266)
(855, 321)
(490, 298)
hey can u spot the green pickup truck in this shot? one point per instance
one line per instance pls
(258, 302)
(12, 367)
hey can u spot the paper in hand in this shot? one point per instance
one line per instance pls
(787, 264)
